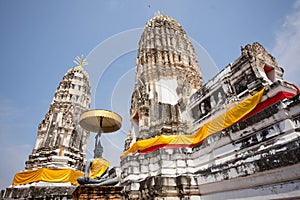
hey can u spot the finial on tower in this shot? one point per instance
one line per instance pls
(80, 61)
(157, 13)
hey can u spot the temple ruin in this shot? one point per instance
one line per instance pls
(61, 142)
(234, 137)
(59, 155)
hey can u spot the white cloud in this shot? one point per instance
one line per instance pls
(287, 45)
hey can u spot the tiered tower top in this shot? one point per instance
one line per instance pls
(167, 74)
(161, 20)
(61, 142)
(164, 44)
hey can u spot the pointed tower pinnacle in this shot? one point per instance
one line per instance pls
(80, 61)
(157, 13)
(61, 142)
(167, 73)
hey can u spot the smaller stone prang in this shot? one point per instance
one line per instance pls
(61, 142)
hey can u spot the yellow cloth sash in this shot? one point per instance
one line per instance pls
(48, 175)
(217, 124)
(98, 168)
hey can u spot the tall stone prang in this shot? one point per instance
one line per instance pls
(235, 137)
(167, 70)
(61, 142)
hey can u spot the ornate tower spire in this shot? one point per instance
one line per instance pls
(167, 73)
(80, 61)
(61, 142)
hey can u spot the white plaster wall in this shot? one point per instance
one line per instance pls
(166, 91)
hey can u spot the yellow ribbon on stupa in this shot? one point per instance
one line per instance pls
(98, 168)
(52, 175)
(217, 124)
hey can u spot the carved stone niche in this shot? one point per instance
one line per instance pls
(202, 108)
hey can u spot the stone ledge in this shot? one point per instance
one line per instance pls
(38, 192)
(97, 192)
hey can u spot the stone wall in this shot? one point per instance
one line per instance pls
(261, 151)
(97, 192)
(38, 193)
(240, 79)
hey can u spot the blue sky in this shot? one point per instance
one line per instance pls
(39, 40)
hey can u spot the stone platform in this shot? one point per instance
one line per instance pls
(98, 192)
(38, 192)
(255, 158)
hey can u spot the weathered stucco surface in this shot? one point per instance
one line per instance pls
(258, 157)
